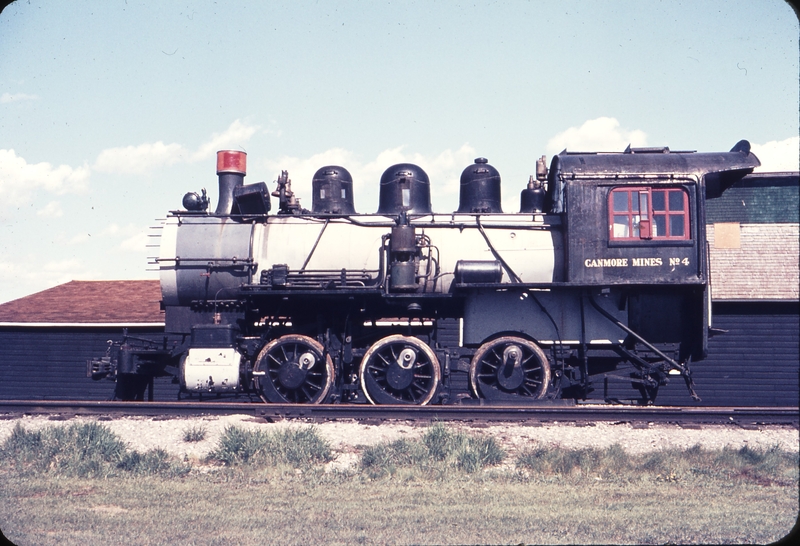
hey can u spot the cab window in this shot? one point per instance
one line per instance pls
(648, 213)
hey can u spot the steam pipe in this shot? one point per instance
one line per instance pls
(231, 170)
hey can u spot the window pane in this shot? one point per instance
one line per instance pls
(676, 224)
(658, 200)
(635, 201)
(643, 205)
(676, 200)
(636, 226)
(659, 225)
(620, 226)
(620, 201)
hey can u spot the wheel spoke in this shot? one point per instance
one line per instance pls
(526, 360)
(386, 361)
(491, 377)
(526, 390)
(384, 380)
(284, 380)
(312, 386)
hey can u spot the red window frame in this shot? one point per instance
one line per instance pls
(649, 213)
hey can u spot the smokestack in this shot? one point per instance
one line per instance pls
(231, 170)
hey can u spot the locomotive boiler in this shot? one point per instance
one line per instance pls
(601, 275)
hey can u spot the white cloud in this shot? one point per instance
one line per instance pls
(78, 239)
(113, 251)
(137, 242)
(443, 170)
(111, 229)
(233, 137)
(776, 156)
(8, 97)
(120, 235)
(149, 156)
(18, 178)
(51, 210)
(27, 275)
(61, 266)
(602, 134)
(139, 159)
(301, 170)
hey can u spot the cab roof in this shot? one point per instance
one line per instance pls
(717, 171)
(654, 161)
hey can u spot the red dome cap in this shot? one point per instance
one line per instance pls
(231, 161)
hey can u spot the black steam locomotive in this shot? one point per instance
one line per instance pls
(601, 276)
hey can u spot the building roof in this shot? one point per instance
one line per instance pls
(88, 303)
(758, 198)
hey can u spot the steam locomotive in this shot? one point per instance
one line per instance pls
(602, 275)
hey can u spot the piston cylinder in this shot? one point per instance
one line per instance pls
(404, 239)
(404, 276)
(403, 258)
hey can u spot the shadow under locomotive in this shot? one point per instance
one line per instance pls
(602, 276)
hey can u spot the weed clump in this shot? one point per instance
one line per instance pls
(762, 466)
(558, 461)
(386, 458)
(194, 433)
(297, 447)
(86, 450)
(153, 462)
(439, 450)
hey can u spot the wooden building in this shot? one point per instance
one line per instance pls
(754, 359)
(46, 338)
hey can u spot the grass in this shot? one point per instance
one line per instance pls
(274, 506)
(443, 488)
(773, 466)
(87, 450)
(194, 433)
(439, 451)
(301, 447)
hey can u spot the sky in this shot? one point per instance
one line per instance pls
(111, 111)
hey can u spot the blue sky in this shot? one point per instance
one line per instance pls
(111, 111)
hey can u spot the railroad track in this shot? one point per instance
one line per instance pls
(580, 413)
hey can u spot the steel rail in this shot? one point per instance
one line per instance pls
(582, 413)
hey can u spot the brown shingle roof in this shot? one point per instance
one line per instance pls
(754, 261)
(89, 302)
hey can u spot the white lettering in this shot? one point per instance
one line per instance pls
(646, 262)
(635, 262)
(677, 261)
(606, 262)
